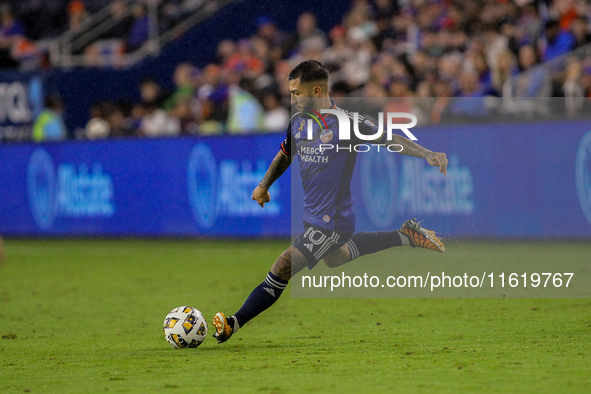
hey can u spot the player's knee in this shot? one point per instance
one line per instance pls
(332, 261)
(337, 258)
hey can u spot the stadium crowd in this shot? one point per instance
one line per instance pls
(28, 27)
(382, 48)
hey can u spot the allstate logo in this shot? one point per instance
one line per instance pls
(41, 186)
(379, 187)
(583, 174)
(202, 185)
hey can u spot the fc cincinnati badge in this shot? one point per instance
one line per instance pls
(326, 136)
(326, 218)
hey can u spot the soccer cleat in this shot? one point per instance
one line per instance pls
(223, 330)
(421, 237)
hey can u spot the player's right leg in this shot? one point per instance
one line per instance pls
(360, 244)
(263, 296)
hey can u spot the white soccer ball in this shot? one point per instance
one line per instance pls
(185, 327)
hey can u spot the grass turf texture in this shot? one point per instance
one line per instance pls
(86, 316)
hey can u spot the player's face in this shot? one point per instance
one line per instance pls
(302, 95)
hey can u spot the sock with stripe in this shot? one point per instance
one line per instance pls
(363, 243)
(261, 298)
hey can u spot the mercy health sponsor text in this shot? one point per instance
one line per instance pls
(314, 155)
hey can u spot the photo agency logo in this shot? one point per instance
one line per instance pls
(344, 129)
(67, 190)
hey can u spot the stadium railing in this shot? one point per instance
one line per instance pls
(66, 50)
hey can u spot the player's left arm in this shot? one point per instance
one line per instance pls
(411, 148)
(280, 163)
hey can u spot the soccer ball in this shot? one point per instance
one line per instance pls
(185, 327)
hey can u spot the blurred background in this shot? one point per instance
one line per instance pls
(502, 86)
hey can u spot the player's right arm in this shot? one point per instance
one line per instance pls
(280, 163)
(278, 166)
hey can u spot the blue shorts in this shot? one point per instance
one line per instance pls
(317, 242)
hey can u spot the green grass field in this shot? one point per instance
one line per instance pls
(86, 316)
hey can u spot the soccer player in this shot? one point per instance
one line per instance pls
(329, 219)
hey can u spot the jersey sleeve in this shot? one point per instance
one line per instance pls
(287, 143)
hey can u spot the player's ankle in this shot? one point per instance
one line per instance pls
(404, 238)
(233, 322)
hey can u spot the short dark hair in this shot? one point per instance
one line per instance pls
(309, 71)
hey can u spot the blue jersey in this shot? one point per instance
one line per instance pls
(326, 172)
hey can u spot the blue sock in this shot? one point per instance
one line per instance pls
(363, 243)
(261, 298)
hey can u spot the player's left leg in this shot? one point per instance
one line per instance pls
(263, 296)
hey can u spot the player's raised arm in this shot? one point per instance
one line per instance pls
(410, 148)
(280, 163)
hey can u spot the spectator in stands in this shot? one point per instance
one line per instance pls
(139, 32)
(209, 119)
(506, 68)
(581, 32)
(338, 53)
(243, 61)
(245, 113)
(276, 117)
(119, 125)
(307, 28)
(48, 125)
(469, 85)
(157, 123)
(225, 50)
(483, 72)
(151, 92)
(97, 127)
(356, 69)
(185, 88)
(76, 15)
(10, 31)
(184, 113)
(213, 95)
(359, 17)
(268, 31)
(533, 83)
(557, 41)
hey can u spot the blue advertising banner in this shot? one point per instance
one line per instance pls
(522, 180)
(164, 187)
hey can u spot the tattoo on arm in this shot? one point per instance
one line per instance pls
(410, 148)
(280, 163)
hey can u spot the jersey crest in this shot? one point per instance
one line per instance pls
(326, 136)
